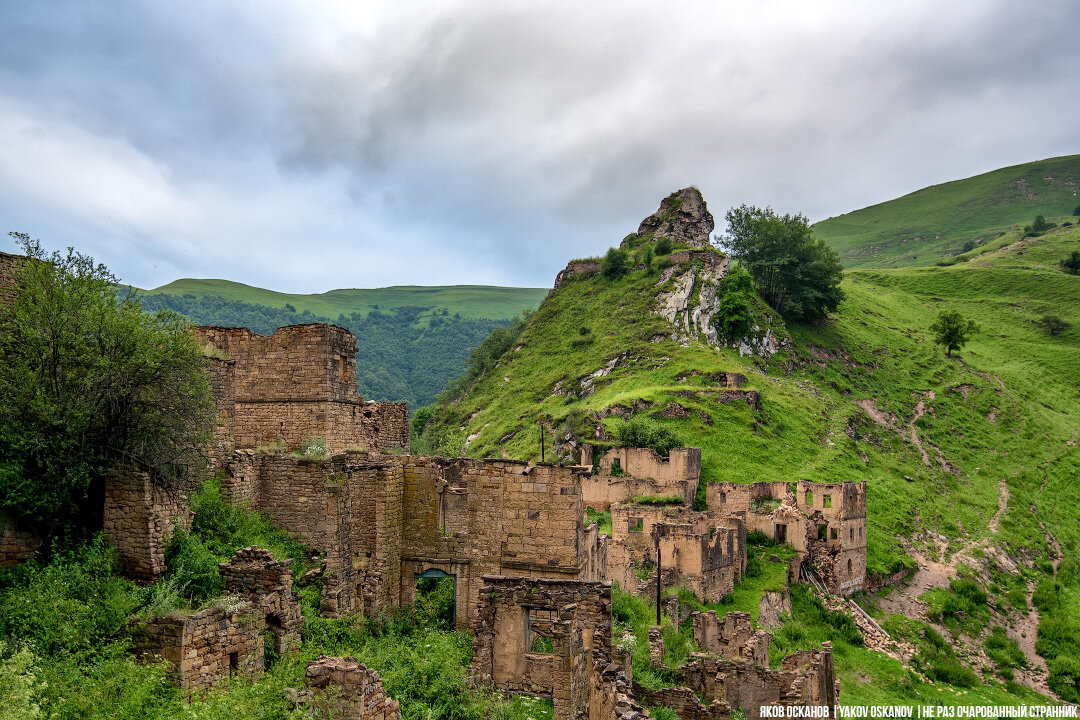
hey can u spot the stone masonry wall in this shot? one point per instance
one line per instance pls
(293, 386)
(7, 278)
(732, 636)
(140, 517)
(204, 647)
(643, 472)
(575, 615)
(254, 575)
(17, 545)
(824, 522)
(341, 687)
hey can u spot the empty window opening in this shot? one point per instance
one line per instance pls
(780, 534)
(822, 532)
(272, 641)
(343, 368)
(810, 498)
(616, 467)
(860, 532)
(849, 566)
(827, 500)
(234, 662)
(635, 524)
(833, 535)
(540, 629)
(436, 599)
(851, 533)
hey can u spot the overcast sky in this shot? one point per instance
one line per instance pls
(312, 144)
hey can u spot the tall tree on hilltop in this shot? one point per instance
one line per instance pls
(88, 381)
(797, 275)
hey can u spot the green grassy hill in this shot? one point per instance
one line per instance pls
(470, 301)
(970, 461)
(934, 223)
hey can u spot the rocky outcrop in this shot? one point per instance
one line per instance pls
(682, 217)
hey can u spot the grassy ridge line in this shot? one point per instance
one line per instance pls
(982, 206)
(470, 301)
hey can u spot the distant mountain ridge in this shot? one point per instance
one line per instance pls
(490, 302)
(929, 225)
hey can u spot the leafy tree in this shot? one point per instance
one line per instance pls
(645, 432)
(663, 246)
(1072, 263)
(952, 330)
(615, 264)
(1076, 211)
(89, 381)
(797, 275)
(1040, 224)
(1053, 324)
(735, 317)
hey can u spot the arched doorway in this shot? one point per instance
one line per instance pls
(436, 597)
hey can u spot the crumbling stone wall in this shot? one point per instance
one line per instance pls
(733, 636)
(805, 678)
(341, 687)
(639, 472)
(206, 646)
(698, 552)
(684, 702)
(293, 386)
(17, 545)
(254, 575)
(824, 522)
(140, 517)
(611, 693)
(8, 263)
(576, 268)
(574, 615)
(380, 521)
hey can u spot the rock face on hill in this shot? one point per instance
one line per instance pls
(683, 216)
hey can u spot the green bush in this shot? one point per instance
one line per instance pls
(735, 317)
(756, 537)
(1002, 650)
(1065, 678)
(615, 264)
(19, 683)
(645, 432)
(663, 246)
(1046, 595)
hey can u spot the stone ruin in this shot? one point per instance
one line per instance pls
(341, 687)
(626, 473)
(258, 618)
(552, 638)
(291, 387)
(825, 523)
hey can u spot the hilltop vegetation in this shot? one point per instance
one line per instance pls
(943, 220)
(968, 460)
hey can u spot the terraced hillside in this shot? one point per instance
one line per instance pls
(970, 461)
(939, 221)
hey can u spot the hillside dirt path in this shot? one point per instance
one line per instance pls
(936, 573)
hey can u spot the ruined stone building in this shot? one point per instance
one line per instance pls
(824, 522)
(258, 619)
(294, 386)
(552, 638)
(626, 473)
(706, 551)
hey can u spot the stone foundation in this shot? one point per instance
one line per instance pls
(17, 545)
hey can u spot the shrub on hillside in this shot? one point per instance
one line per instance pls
(1053, 324)
(663, 246)
(735, 318)
(647, 433)
(1071, 263)
(615, 264)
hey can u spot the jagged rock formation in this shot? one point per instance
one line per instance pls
(682, 217)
